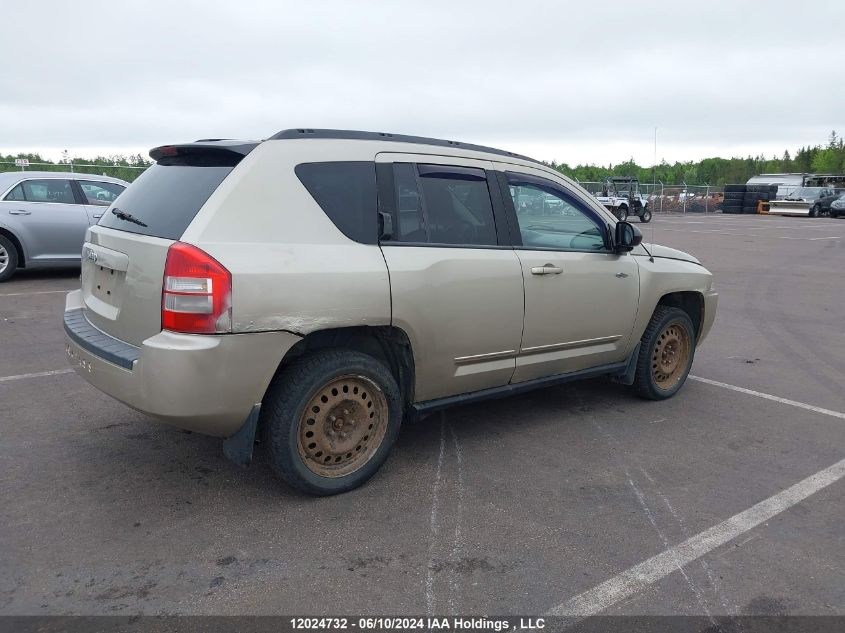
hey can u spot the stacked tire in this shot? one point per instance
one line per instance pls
(734, 198)
(755, 194)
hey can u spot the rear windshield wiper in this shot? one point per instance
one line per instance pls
(127, 216)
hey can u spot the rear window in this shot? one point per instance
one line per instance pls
(164, 200)
(346, 191)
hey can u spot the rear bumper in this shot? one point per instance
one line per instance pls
(204, 383)
(711, 300)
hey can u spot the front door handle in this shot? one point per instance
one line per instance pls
(97, 216)
(547, 269)
(20, 212)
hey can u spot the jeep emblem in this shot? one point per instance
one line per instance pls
(91, 255)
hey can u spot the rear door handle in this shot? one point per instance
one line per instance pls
(547, 269)
(622, 275)
(20, 212)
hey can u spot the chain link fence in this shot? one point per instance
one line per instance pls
(682, 198)
(124, 172)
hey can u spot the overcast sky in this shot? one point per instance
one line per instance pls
(569, 81)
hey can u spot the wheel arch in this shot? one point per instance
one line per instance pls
(386, 343)
(691, 302)
(17, 244)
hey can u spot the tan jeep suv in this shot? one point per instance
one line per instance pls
(321, 286)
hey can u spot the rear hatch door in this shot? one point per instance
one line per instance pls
(124, 256)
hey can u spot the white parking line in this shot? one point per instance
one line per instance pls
(640, 576)
(768, 396)
(38, 374)
(33, 292)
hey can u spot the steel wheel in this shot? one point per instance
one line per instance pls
(646, 216)
(4, 258)
(342, 426)
(671, 355)
(623, 214)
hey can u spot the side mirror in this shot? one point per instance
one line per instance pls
(626, 237)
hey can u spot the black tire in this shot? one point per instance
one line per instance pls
(623, 213)
(734, 195)
(750, 210)
(645, 216)
(735, 188)
(815, 211)
(283, 417)
(9, 261)
(646, 384)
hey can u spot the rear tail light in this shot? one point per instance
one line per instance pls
(196, 297)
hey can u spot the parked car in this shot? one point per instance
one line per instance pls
(803, 201)
(837, 206)
(824, 203)
(322, 286)
(44, 216)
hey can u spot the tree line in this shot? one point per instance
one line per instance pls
(827, 159)
(117, 166)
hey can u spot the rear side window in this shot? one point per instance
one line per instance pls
(346, 192)
(48, 190)
(100, 193)
(443, 204)
(164, 200)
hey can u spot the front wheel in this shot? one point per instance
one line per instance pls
(646, 216)
(666, 352)
(331, 418)
(815, 211)
(623, 213)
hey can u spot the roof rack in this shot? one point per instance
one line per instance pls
(396, 138)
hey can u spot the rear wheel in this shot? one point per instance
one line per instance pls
(8, 258)
(667, 349)
(331, 418)
(815, 211)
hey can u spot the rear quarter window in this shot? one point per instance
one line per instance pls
(164, 200)
(346, 192)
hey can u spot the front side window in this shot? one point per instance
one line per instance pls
(16, 194)
(48, 190)
(100, 193)
(549, 218)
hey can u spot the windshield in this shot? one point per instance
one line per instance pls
(806, 192)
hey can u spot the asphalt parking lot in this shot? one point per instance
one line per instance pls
(537, 503)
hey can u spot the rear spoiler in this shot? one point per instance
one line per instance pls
(203, 153)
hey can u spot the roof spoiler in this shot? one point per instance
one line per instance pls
(210, 152)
